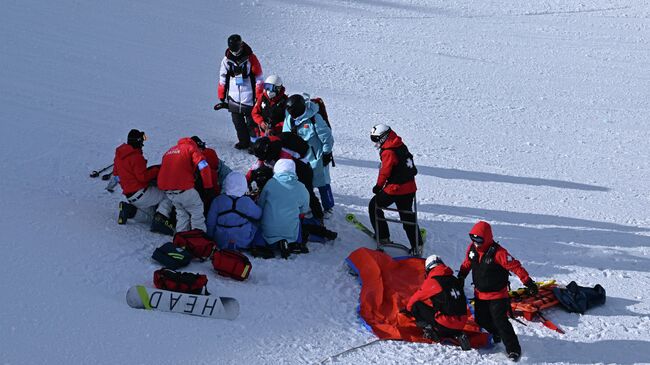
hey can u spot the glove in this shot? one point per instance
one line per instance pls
(406, 312)
(461, 281)
(221, 105)
(532, 287)
(377, 189)
(327, 158)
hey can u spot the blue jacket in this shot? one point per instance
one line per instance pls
(319, 137)
(283, 199)
(231, 230)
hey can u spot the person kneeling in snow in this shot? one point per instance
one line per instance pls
(490, 264)
(440, 306)
(218, 169)
(138, 185)
(232, 215)
(283, 200)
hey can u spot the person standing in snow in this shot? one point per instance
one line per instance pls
(176, 178)
(269, 109)
(283, 200)
(232, 216)
(218, 169)
(395, 184)
(440, 306)
(138, 186)
(491, 265)
(302, 118)
(240, 82)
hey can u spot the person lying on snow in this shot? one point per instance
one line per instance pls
(439, 306)
(395, 184)
(490, 264)
(218, 169)
(176, 178)
(233, 215)
(145, 201)
(283, 200)
(270, 149)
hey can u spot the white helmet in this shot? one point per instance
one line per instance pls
(431, 262)
(272, 85)
(379, 133)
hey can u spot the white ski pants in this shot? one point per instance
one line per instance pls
(189, 209)
(146, 202)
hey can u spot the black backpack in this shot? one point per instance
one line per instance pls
(172, 257)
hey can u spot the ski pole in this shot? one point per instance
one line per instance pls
(96, 173)
(332, 357)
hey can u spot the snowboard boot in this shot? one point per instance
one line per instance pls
(162, 224)
(298, 248)
(264, 252)
(496, 339)
(330, 235)
(463, 342)
(126, 211)
(514, 356)
(283, 245)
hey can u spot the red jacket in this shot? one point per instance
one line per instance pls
(388, 160)
(258, 118)
(131, 168)
(431, 287)
(178, 166)
(213, 161)
(501, 257)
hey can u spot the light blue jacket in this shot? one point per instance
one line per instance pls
(319, 137)
(282, 200)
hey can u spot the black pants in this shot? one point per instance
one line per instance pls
(306, 177)
(403, 203)
(493, 316)
(243, 125)
(426, 315)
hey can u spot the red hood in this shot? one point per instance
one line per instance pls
(393, 141)
(441, 270)
(187, 140)
(125, 150)
(484, 230)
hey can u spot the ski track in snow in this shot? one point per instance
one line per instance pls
(531, 115)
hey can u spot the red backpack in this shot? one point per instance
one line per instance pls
(197, 242)
(232, 264)
(184, 282)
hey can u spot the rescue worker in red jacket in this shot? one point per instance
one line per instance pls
(269, 110)
(137, 182)
(395, 184)
(491, 265)
(440, 306)
(218, 169)
(176, 178)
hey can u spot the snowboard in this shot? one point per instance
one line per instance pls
(352, 219)
(210, 306)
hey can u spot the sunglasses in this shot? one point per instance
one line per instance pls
(476, 238)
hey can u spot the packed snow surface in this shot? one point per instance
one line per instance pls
(532, 115)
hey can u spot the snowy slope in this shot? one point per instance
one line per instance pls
(532, 115)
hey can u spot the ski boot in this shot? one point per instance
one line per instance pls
(162, 224)
(514, 356)
(496, 339)
(298, 248)
(285, 252)
(430, 333)
(126, 211)
(463, 342)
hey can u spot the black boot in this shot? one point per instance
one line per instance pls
(298, 248)
(514, 356)
(264, 252)
(430, 333)
(330, 235)
(162, 224)
(463, 342)
(126, 211)
(283, 245)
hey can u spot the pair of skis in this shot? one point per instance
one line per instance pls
(352, 219)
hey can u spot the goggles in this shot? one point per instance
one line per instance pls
(476, 239)
(271, 88)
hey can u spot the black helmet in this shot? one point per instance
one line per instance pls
(259, 178)
(199, 142)
(234, 43)
(296, 105)
(136, 138)
(267, 150)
